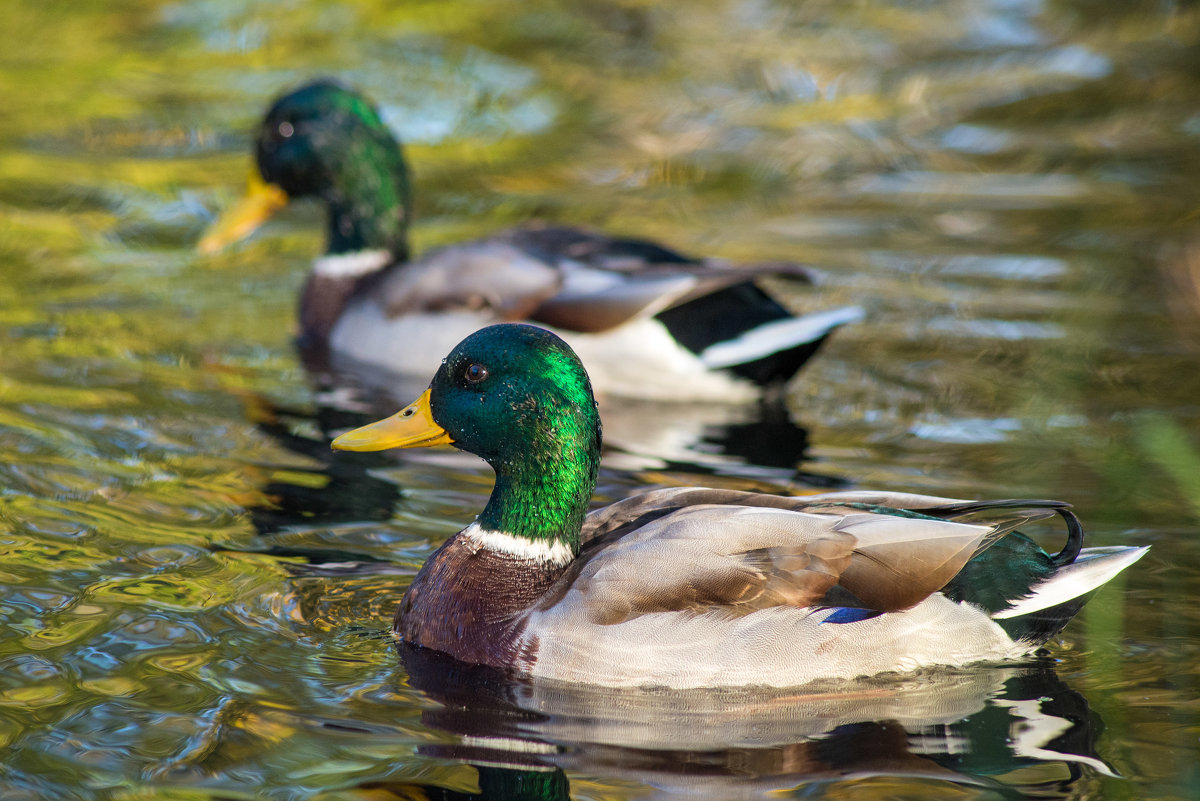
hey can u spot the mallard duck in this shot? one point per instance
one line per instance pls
(650, 322)
(695, 587)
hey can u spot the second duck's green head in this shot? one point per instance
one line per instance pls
(324, 140)
(518, 396)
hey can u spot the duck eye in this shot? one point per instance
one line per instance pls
(286, 130)
(476, 373)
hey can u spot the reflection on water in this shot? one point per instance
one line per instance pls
(195, 594)
(1015, 731)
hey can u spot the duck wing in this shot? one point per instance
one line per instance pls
(611, 280)
(730, 558)
(584, 283)
(489, 274)
(627, 514)
(710, 548)
(515, 284)
(556, 243)
(564, 277)
(711, 307)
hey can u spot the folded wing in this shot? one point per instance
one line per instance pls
(732, 560)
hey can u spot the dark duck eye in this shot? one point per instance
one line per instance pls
(476, 373)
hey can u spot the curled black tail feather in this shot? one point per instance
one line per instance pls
(1070, 551)
(1074, 544)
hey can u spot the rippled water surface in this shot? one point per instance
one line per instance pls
(195, 593)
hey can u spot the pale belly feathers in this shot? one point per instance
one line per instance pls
(777, 647)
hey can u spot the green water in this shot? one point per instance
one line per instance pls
(1009, 189)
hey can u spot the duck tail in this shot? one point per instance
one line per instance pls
(1051, 602)
(742, 329)
(1030, 593)
(1034, 510)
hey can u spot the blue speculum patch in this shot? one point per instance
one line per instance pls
(849, 614)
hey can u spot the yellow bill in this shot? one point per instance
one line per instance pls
(260, 202)
(411, 427)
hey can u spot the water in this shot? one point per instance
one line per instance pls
(1008, 188)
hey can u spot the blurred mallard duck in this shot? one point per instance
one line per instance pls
(649, 321)
(692, 587)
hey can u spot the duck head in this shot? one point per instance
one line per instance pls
(323, 140)
(517, 396)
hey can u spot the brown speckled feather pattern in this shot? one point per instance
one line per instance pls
(887, 563)
(882, 571)
(681, 563)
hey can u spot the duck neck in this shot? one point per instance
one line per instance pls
(369, 200)
(357, 227)
(541, 497)
(368, 224)
(333, 281)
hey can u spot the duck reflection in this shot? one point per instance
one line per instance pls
(302, 504)
(495, 784)
(339, 491)
(1013, 731)
(751, 441)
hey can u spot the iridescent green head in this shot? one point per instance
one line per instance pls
(507, 386)
(517, 396)
(326, 141)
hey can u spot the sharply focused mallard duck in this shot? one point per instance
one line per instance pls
(692, 587)
(650, 322)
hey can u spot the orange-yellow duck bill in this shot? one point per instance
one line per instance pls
(260, 202)
(411, 427)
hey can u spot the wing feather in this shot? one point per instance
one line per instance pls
(568, 278)
(706, 550)
(900, 561)
(487, 274)
(732, 560)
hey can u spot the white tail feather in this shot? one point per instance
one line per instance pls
(779, 335)
(1093, 568)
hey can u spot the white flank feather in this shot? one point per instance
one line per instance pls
(510, 744)
(1093, 568)
(779, 335)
